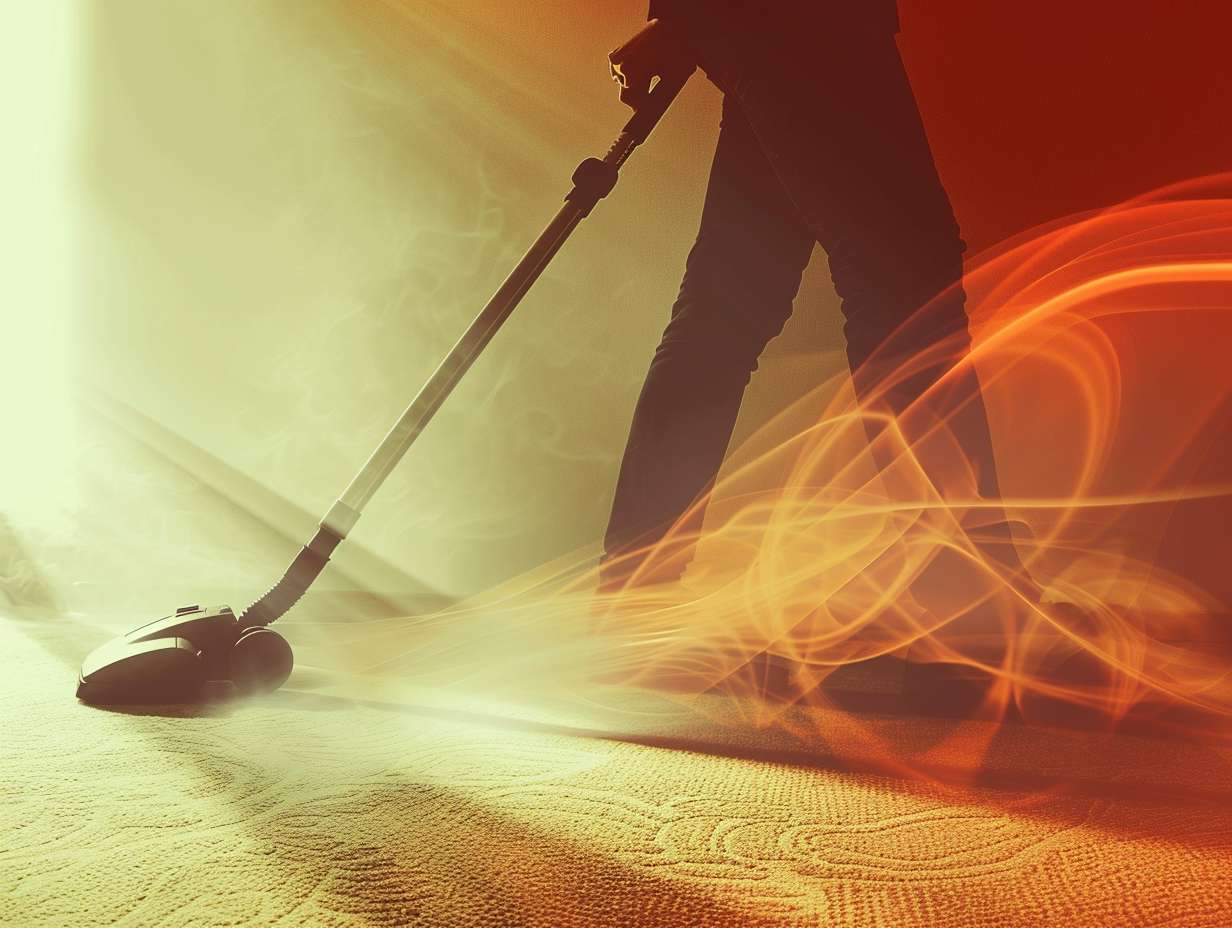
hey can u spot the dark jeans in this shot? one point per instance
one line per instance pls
(820, 142)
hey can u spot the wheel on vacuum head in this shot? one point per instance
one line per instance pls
(260, 660)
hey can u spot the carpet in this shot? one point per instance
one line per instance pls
(319, 806)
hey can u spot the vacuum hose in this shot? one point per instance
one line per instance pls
(284, 594)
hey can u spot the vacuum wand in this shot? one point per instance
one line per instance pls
(592, 181)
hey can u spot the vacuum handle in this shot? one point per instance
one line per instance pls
(592, 181)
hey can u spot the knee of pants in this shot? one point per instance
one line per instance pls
(703, 338)
(725, 313)
(897, 277)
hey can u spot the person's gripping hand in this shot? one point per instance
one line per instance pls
(659, 50)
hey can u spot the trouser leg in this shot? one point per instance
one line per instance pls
(742, 274)
(822, 142)
(842, 130)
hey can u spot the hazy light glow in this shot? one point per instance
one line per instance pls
(41, 261)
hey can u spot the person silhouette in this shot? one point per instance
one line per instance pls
(820, 142)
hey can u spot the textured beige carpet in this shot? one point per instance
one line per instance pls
(318, 808)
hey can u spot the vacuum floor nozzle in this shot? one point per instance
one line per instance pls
(172, 659)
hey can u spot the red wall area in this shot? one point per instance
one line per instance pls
(1037, 110)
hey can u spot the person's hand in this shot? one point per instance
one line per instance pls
(659, 50)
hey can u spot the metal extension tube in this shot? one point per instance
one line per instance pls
(592, 181)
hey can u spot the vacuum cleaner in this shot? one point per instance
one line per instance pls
(172, 659)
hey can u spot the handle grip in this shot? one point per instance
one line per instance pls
(657, 102)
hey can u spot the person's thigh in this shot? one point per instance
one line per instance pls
(752, 247)
(836, 118)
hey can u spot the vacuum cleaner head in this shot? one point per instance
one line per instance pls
(172, 659)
